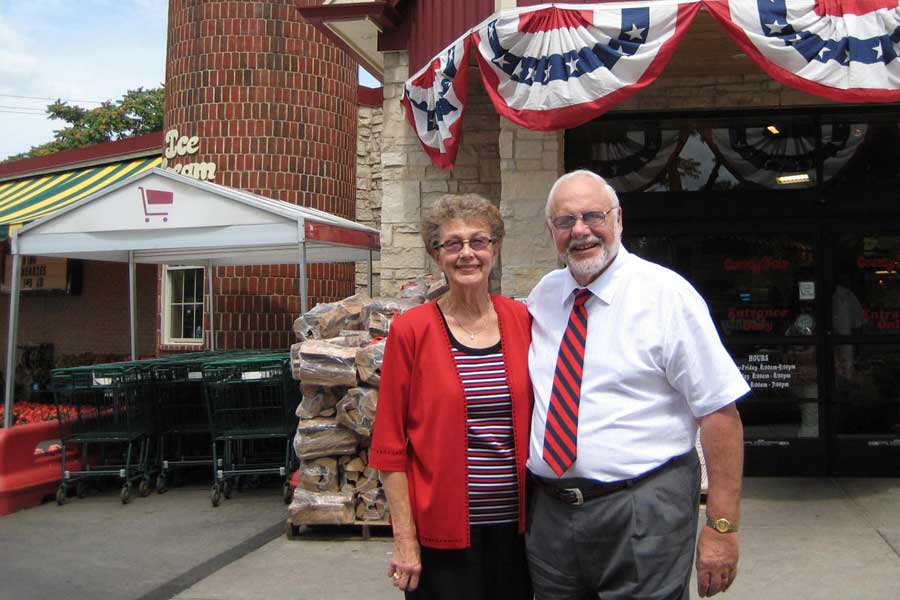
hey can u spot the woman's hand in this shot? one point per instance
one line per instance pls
(406, 564)
(406, 560)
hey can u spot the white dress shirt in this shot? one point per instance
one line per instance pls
(653, 365)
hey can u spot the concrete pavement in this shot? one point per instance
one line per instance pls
(805, 539)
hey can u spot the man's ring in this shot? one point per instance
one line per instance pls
(396, 575)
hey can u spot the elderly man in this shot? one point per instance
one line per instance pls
(626, 364)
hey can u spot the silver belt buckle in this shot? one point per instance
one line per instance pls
(576, 492)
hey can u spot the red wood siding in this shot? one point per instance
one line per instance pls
(431, 25)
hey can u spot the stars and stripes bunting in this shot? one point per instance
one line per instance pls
(845, 50)
(561, 433)
(556, 66)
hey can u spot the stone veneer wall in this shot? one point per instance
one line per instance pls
(411, 183)
(368, 185)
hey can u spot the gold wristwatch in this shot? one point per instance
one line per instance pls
(722, 525)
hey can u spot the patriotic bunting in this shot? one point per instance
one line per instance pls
(557, 66)
(840, 49)
(435, 100)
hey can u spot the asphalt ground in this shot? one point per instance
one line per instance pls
(806, 539)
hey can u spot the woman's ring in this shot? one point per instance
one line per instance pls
(396, 575)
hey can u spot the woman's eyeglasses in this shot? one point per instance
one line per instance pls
(476, 244)
(593, 218)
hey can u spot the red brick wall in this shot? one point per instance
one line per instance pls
(94, 321)
(275, 107)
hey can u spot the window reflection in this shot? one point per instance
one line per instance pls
(866, 297)
(793, 152)
(754, 284)
(868, 390)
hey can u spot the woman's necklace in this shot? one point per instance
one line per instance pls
(472, 334)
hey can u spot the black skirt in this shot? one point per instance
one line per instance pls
(494, 567)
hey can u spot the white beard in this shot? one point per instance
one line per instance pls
(590, 267)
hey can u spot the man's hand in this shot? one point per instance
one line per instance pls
(717, 557)
(406, 564)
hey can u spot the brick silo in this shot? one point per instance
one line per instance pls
(274, 105)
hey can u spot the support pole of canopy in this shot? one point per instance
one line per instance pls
(11, 342)
(371, 275)
(304, 302)
(132, 301)
(212, 304)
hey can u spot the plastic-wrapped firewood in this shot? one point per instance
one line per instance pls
(323, 437)
(355, 338)
(356, 410)
(356, 307)
(321, 508)
(372, 506)
(320, 362)
(437, 288)
(319, 475)
(319, 401)
(368, 363)
(325, 320)
(382, 312)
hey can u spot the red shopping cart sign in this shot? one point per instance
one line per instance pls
(156, 203)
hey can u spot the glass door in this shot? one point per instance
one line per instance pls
(762, 288)
(864, 349)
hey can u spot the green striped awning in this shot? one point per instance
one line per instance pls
(25, 200)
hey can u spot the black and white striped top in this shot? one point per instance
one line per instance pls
(491, 459)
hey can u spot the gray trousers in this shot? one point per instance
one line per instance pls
(633, 544)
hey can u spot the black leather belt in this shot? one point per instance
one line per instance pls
(568, 492)
(576, 491)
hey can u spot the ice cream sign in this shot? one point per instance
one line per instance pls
(182, 145)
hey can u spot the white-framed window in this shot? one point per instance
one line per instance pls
(183, 305)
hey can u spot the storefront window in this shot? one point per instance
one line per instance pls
(867, 390)
(184, 304)
(721, 153)
(866, 297)
(755, 285)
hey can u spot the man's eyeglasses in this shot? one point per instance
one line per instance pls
(476, 244)
(593, 218)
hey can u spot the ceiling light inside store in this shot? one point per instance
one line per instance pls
(773, 129)
(792, 179)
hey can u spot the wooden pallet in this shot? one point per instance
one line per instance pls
(292, 530)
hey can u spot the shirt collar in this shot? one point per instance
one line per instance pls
(605, 286)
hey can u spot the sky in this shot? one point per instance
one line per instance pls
(83, 51)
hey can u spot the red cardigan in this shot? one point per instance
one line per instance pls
(420, 424)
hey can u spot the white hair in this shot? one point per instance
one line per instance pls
(613, 198)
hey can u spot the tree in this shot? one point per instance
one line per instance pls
(139, 112)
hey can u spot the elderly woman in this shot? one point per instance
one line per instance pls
(451, 431)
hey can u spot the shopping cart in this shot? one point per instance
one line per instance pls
(251, 400)
(110, 417)
(154, 199)
(183, 425)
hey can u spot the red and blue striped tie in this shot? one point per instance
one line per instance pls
(561, 432)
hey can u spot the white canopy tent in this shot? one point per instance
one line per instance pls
(160, 217)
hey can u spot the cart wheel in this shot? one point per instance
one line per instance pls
(291, 531)
(81, 489)
(144, 488)
(215, 494)
(287, 495)
(61, 495)
(161, 487)
(125, 494)
(227, 488)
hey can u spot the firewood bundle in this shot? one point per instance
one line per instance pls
(337, 359)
